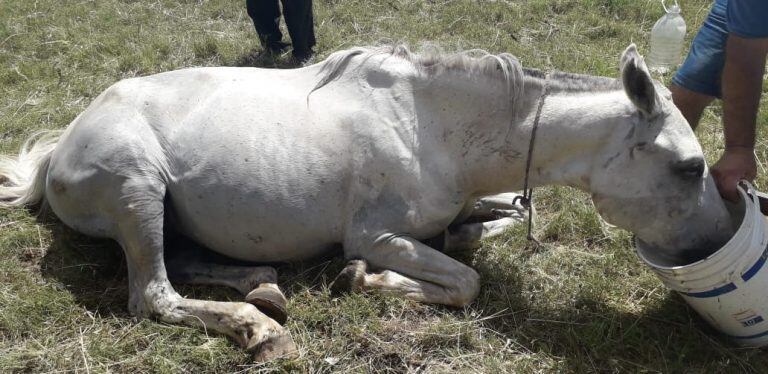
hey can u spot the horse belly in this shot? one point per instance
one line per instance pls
(257, 226)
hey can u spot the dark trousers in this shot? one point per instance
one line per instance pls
(298, 17)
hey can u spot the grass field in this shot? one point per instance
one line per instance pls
(581, 303)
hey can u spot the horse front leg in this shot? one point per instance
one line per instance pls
(487, 218)
(406, 267)
(493, 207)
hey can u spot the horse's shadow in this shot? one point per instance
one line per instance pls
(94, 270)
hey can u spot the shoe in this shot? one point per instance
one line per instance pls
(303, 57)
(277, 47)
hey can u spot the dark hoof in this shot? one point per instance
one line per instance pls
(279, 346)
(270, 301)
(350, 278)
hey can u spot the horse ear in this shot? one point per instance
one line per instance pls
(637, 81)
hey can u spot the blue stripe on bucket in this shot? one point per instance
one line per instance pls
(712, 293)
(756, 267)
(759, 335)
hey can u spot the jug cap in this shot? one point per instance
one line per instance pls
(674, 9)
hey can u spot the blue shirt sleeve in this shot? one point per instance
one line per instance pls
(748, 18)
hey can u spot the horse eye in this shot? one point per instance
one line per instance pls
(690, 169)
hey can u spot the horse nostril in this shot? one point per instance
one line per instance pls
(692, 168)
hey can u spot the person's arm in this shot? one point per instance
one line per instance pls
(742, 85)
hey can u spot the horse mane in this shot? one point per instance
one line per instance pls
(570, 82)
(431, 63)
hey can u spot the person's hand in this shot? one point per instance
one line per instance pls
(735, 164)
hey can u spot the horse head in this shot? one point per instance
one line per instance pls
(653, 179)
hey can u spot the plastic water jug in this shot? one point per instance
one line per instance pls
(667, 40)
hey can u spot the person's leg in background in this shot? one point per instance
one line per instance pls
(298, 18)
(690, 103)
(697, 83)
(266, 18)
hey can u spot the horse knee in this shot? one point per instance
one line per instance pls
(466, 289)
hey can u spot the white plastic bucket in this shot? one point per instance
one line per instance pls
(729, 288)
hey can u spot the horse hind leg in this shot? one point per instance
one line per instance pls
(257, 283)
(140, 233)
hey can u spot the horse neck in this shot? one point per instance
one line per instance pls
(489, 134)
(574, 131)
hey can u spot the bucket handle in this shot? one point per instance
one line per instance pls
(750, 191)
(747, 186)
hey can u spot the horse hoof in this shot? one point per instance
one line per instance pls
(270, 301)
(278, 346)
(350, 278)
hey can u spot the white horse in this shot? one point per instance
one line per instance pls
(373, 149)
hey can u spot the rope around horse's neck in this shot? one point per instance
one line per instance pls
(526, 200)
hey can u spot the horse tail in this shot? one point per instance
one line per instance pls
(22, 178)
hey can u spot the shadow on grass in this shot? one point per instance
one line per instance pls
(594, 336)
(94, 270)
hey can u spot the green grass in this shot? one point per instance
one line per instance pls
(581, 303)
